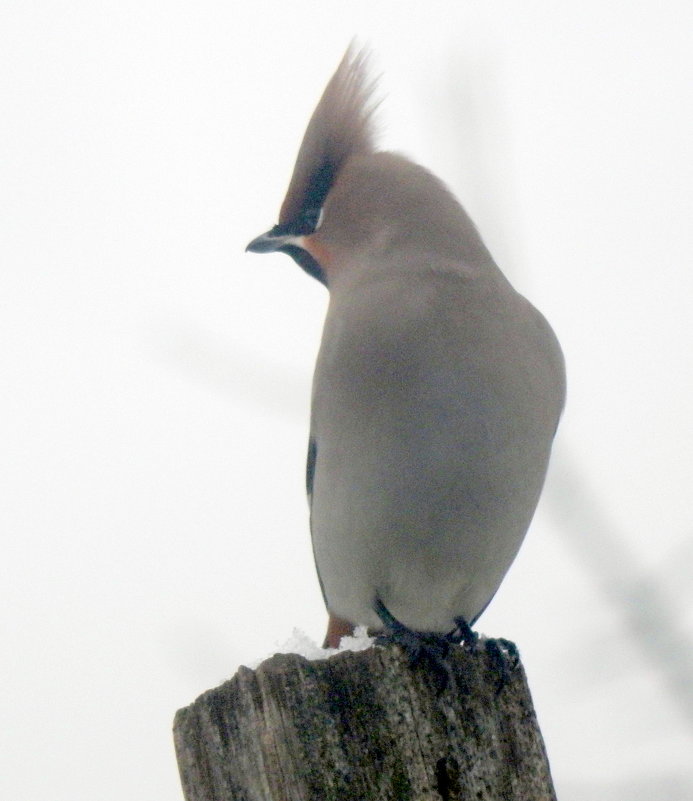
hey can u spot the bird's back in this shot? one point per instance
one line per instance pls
(436, 397)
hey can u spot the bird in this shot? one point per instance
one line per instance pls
(437, 389)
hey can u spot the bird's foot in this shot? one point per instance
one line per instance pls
(503, 653)
(427, 649)
(505, 659)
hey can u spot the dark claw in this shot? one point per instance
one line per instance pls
(423, 648)
(511, 651)
(504, 658)
(503, 653)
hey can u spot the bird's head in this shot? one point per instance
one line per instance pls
(340, 130)
(349, 206)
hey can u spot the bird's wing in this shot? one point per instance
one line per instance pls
(310, 475)
(310, 467)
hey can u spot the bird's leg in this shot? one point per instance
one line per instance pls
(422, 647)
(464, 634)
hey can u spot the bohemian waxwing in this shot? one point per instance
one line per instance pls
(437, 389)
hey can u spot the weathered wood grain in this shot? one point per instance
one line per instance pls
(364, 726)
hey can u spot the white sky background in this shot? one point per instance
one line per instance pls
(156, 380)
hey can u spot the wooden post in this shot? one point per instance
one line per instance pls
(364, 726)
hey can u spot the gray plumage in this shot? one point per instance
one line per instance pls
(437, 389)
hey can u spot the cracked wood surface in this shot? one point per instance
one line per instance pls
(364, 726)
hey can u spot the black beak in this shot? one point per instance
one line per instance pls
(271, 241)
(279, 240)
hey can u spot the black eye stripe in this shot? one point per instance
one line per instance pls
(308, 221)
(304, 225)
(319, 185)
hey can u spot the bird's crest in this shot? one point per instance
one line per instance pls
(341, 126)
